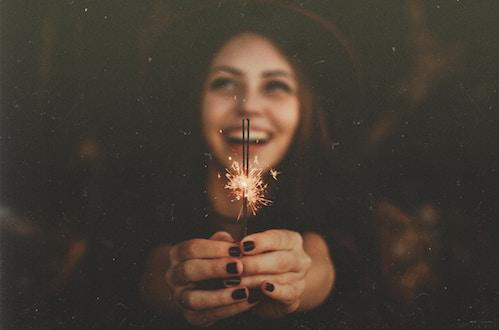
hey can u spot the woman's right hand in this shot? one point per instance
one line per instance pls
(196, 260)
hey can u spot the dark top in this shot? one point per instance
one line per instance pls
(127, 224)
(345, 223)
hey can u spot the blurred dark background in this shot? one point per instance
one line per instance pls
(74, 123)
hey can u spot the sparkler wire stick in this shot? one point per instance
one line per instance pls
(247, 185)
(247, 146)
(245, 163)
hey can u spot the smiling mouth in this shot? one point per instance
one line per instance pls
(255, 137)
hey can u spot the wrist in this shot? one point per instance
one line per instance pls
(319, 280)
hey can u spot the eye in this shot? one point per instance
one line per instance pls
(277, 85)
(222, 83)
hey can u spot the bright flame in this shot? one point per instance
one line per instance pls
(251, 187)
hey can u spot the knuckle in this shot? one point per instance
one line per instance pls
(284, 262)
(281, 279)
(296, 237)
(293, 295)
(179, 273)
(306, 262)
(172, 254)
(301, 287)
(293, 307)
(189, 249)
(184, 271)
(290, 278)
(186, 300)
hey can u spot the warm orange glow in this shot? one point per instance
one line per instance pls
(251, 187)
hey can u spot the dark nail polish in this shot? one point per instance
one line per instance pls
(254, 296)
(232, 268)
(269, 287)
(248, 246)
(232, 281)
(239, 294)
(235, 251)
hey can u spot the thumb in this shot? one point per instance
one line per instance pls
(222, 236)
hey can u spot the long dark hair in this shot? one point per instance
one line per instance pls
(177, 64)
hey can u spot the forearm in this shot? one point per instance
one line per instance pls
(320, 278)
(153, 286)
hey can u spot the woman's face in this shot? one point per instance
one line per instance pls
(250, 78)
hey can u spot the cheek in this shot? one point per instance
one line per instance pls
(288, 116)
(212, 113)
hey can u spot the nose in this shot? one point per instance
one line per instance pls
(251, 103)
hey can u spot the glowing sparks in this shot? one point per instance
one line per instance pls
(274, 173)
(250, 187)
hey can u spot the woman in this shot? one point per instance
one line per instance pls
(259, 62)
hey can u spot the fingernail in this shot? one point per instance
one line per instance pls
(254, 296)
(248, 246)
(269, 287)
(232, 268)
(232, 281)
(235, 251)
(239, 294)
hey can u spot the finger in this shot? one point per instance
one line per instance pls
(209, 316)
(277, 262)
(195, 270)
(255, 281)
(222, 236)
(203, 249)
(208, 299)
(287, 294)
(271, 240)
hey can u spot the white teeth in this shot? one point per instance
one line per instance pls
(254, 135)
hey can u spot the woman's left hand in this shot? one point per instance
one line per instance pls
(276, 262)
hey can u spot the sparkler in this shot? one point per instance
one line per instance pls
(247, 184)
(245, 167)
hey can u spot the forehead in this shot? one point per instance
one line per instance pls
(251, 52)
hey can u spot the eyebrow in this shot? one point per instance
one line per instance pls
(266, 74)
(228, 69)
(277, 73)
